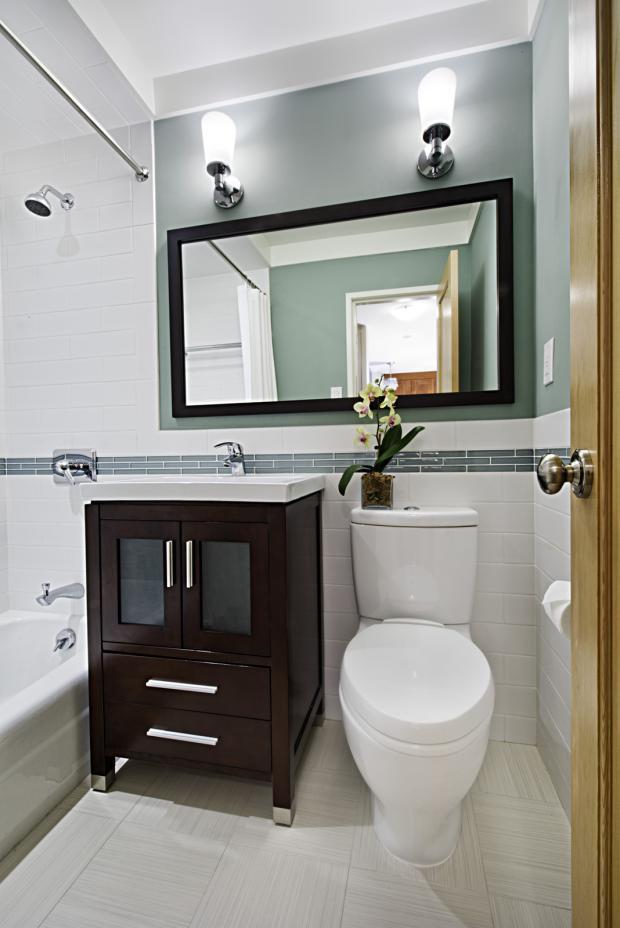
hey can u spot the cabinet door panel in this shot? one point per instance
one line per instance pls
(140, 594)
(226, 587)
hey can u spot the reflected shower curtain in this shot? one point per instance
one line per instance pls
(259, 370)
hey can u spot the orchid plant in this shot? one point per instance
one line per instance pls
(388, 439)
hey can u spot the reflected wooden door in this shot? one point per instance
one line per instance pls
(448, 327)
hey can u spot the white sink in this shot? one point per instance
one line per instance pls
(263, 488)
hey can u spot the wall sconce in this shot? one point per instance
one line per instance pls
(218, 138)
(436, 101)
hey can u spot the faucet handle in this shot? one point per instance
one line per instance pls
(233, 447)
(45, 589)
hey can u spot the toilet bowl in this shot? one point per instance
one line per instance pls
(417, 694)
(417, 701)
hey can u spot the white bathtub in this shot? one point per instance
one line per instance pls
(43, 718)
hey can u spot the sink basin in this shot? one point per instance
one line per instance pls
(259, 488)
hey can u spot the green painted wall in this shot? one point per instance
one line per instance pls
(350, 141)
(552, 202)
(483, 282)
(308, 312)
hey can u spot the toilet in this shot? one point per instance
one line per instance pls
(417, 694)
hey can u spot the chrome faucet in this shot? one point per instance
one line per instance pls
(65, 639)
(235, 459)
(69, 466)
(71, 591)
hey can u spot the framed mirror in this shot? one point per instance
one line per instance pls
(296, 312)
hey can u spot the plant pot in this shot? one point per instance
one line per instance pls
(377, 490)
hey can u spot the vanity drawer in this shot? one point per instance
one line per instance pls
(222, 689)
(191, 736)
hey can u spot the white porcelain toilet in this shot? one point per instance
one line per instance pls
(417, 694)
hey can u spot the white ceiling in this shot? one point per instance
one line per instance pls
(172, 37)
(192, 54)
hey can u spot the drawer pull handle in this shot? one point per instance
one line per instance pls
(182, 736)
(184, 687)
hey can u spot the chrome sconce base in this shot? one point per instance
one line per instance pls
(438, 158)
(227, 190)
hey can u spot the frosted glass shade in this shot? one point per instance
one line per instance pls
(436, 95)
(218, 138)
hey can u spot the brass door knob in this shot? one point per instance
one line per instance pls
(553, 473)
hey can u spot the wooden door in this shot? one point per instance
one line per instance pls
(448, 327)
(595, 424)
(226, 587)
(140, 589)
(411, 383)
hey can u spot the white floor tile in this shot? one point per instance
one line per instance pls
(201, 805)
(391, 901)
(262, 889)
(132, 780)
(514, 913)
(42, 878)
(140, 878)
(525, 849)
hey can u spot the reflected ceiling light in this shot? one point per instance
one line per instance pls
(436, 95)
(409, 312)
(218, 138)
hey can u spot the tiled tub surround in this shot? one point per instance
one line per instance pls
(552, 562)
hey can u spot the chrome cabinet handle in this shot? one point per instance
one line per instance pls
(189, 564)
(182, 736)
(169, 564)
(183, 687)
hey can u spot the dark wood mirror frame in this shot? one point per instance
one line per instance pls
(498, 190)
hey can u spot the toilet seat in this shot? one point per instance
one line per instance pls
(417, 682)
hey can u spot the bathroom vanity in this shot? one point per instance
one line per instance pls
(205, 624)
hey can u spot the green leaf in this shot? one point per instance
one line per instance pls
(392, 436)
(395, 448)
(410, 436)
(345, 480)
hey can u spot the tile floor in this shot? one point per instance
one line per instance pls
(171, 849)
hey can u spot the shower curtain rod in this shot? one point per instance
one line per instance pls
(142, 173)
(247, 279)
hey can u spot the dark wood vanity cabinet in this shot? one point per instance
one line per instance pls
(205, 636)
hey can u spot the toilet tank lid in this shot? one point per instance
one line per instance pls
(417, 517)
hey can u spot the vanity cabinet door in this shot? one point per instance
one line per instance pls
(226, 587)
(140, 582)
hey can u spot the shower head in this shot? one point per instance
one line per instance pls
(39, 204)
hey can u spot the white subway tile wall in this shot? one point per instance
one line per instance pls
(552, 562)
(504, 615)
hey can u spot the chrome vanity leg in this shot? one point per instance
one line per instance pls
(283, 816)
(102, 784)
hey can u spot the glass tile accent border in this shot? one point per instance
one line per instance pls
(504, 460)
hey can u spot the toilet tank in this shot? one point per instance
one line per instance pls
(415, 563)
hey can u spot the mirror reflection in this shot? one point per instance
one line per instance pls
(318, 312)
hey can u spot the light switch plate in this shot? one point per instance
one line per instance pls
(548, 362)
(336, 393)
